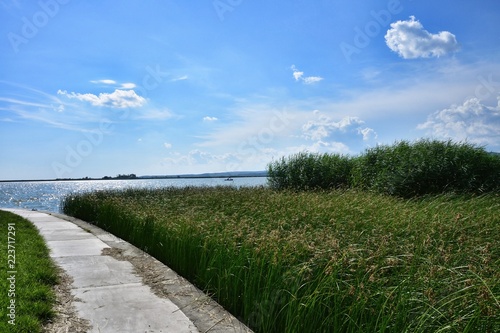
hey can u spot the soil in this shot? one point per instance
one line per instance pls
(66, 319)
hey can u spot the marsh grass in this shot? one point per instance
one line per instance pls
(36, 274)
(320, 261)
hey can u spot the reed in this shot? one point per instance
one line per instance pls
(310, 171)
(320, 261)
(405, 169)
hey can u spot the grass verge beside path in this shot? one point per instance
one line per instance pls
(331, 261)
(27, 275)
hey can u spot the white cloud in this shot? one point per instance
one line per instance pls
(472, 121)
(410, 40)
(298, 75)
(209, 119)
(128, 85)
(167, 145)
(312, 79)
(118, 99)
(368, 133)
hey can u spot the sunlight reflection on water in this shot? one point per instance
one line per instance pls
(47, 195)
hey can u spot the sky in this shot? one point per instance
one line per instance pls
(101, 88)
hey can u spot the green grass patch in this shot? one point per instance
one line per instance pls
(26, 295)
(320, 261)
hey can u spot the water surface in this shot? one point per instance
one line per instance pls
(47, 195)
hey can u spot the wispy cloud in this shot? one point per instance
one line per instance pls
(155, 114)
(104, 81)
(410, 40)
(299, 76)
(180, 78)
(125, 85)
(197, 160)
(118, 99)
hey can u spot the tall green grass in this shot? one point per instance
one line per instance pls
(404, 169)
(321, 261)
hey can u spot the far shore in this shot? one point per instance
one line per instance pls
(227, 175)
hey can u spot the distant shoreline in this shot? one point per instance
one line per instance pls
(194, 176)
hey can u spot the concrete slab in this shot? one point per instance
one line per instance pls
(145, 312)
(79, 247)
(98, 271)
(54, 225)
(66, 234)
(46, 218)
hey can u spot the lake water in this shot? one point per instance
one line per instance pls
(47, 195)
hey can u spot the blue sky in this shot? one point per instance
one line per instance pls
(95, 88)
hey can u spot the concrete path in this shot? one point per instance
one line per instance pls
(110, 292)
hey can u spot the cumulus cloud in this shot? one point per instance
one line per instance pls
(324, 127)
(410, 40)
(167, 145)
(119, 99)
(299, 76)
(472, 121)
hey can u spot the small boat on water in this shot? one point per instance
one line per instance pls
(228, 179)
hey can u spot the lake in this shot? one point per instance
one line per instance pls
(47, 195)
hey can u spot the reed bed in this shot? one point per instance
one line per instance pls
(404, 169)
(320, 261)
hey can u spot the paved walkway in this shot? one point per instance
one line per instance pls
(109, 292)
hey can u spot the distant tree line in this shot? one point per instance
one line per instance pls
(120, 176)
